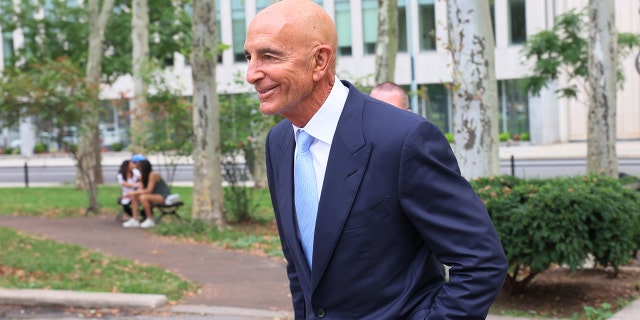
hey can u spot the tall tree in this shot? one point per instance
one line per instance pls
(54, 94)
(63, 30)
(564, 51)
(208, 196)
(603, 47)
(89, 142)
(475, 96)
(140, 124)
(387, 42)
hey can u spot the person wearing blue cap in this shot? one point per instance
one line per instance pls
(137, 158)
(154, 190)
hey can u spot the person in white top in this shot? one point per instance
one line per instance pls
(129, 179)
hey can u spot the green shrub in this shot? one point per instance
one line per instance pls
(116, 146)
(73, 148)
(504, 137)
(561, 220)
(449, 137)
(40, 148)
(7, 150)
(525, 136)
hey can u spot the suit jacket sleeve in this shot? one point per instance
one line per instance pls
(454, 223)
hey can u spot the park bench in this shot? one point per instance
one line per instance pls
(165, 210)
(168, 210)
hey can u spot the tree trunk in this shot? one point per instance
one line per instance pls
(387, 42)
(475, 96)
(601, 134)
(87, 157)
(141, 122)
(208, 197)
(260, 161)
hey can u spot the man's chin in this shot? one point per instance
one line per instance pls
(267, 110)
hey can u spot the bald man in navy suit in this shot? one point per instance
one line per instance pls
(391, 206)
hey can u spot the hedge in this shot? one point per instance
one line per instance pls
(561, 221)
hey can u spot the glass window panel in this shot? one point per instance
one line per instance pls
(427, 19)
(434, 105)
(343, 26)
(492, 12)
(7, 48)
(369, 25)
(239, 31)
(261, 4)
(219, 28)
(517, 22)
(402, 26)
(514, 108)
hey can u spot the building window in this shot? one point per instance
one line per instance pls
(517, 22)
(402, 26)
(239, 29)
(343, 26)
(492, 12)
(261, 4)
(370, 25)
(7, 48)
(434, 105)
(427, 18)
(514, 109)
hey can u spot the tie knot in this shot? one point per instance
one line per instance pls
(304, 141)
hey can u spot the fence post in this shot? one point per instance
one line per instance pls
(26, 175)
(513, 166)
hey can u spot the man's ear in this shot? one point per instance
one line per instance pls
(322, 61)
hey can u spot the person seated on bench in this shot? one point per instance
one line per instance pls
(154, 190)
(129, 179)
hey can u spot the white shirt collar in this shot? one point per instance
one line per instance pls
(323, 124)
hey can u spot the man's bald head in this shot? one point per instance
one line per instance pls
(302, 21)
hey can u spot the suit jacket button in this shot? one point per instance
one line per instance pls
(320, 313)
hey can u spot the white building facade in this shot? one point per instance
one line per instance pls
(545, 119)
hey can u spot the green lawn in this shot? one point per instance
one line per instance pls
(29, 262)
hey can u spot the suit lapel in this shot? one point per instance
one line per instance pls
(348, 160)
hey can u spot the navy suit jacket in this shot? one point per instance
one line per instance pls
(392, 209)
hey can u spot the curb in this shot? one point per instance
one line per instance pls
(65, 298)
(231, 312)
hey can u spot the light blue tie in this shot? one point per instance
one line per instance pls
(306, 194)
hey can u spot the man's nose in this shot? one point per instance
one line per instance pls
(253, 72)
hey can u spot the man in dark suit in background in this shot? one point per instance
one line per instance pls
(368, 199)
(392, 94)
